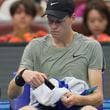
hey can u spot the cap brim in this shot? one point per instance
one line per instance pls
(57, 14)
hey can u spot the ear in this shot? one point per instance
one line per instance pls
(73, 18)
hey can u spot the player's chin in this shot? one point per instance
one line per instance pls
(57, 36)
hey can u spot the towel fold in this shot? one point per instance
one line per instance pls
(48, 97)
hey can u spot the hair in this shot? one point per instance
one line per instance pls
(70, 13)
(102, 9)
(38, 1)
(29, 6)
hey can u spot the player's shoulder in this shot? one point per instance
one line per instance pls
(87, 40)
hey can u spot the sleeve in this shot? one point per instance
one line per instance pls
(96, 60)
(27, 57)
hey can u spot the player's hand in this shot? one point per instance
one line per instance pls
(70, 99)
(34, 78)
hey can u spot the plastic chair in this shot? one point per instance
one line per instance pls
(22, 100)
(106, 104)
(4, 105)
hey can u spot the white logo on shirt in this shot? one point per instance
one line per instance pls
(54, 3)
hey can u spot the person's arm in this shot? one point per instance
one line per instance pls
(13, 89)
(95, 65)
(95, 99)
(33, 78)
(95, 79)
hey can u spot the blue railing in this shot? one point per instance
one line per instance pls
(5, 105)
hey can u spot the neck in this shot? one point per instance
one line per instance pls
(66, 41)
(20, 32)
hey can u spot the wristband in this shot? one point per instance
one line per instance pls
(19, 81)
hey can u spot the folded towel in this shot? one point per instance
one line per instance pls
(48, 97)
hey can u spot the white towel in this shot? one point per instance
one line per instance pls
(48, 97)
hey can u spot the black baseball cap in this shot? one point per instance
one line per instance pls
(59, 8)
